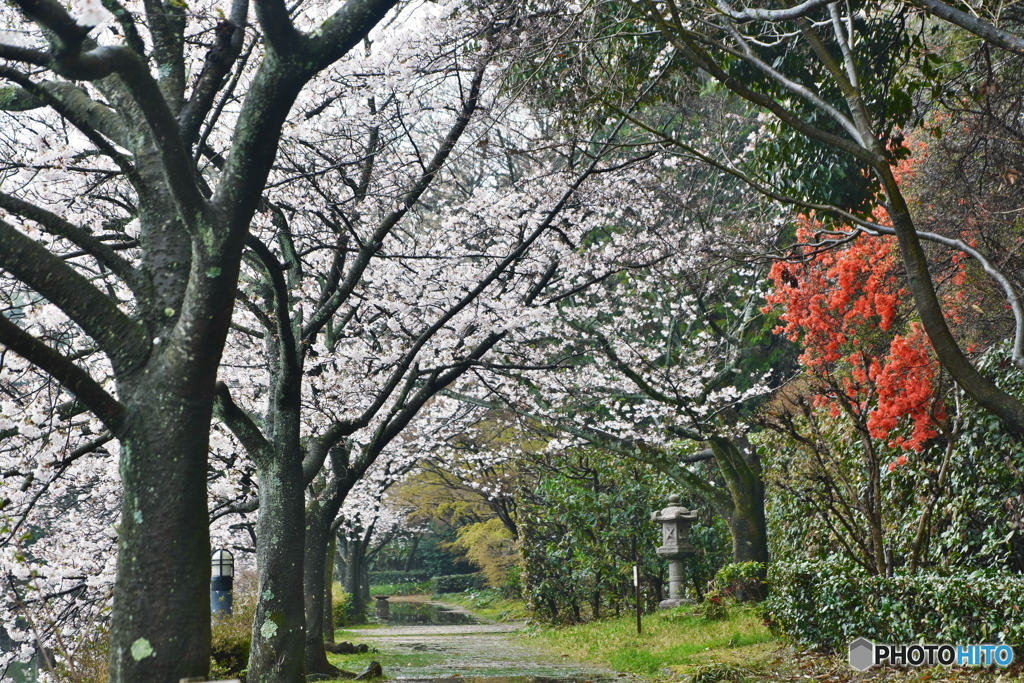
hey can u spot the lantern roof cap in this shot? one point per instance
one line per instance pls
(673, 512)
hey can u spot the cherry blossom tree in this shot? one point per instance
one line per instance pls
(328, 277)
(57, 514)
(300, 309)
(365, 525)
(666, 380)
(371, 285)
(122, 127)
(651, 344)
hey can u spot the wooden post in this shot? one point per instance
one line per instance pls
(636, 583)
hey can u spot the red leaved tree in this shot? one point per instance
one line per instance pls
(842, 304)
(864, 363)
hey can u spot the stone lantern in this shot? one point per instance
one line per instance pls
(675, 523)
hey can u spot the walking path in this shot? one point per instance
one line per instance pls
(470, 652)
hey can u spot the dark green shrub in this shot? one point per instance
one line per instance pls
(391, 577)
(585, 524)
(418, 588)
(339, 606)
(513, 586)
(829, 604)
(742, 581)
(457, 583)
(229, 650)
(735, 582)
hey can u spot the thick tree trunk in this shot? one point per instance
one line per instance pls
(747, 527)
(318, 531)
(741, 468)
(749, 537)
(278, 627)
(160, 629)
(160, 621)
(354, 559)
(329, 591)
(364, 580)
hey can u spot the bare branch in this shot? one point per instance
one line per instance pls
(219, 61)
(983, 29)
(68, 59)
(280, 33)
(758, 14)
(241, 425)
(73, 378)
(366, 252)
(55, 225)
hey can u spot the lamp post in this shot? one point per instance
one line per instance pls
(675, 547)
(221, 579)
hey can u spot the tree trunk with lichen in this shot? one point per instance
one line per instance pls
(160, 629)
(278, 629)
(319, 550)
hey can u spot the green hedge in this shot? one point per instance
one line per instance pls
(457, 583)
(827, 604)
(393, 576)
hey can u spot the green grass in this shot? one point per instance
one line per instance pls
(340, 633)
(421, 588)
(393, 663)
(673, 640)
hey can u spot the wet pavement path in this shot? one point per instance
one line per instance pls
(479, 652)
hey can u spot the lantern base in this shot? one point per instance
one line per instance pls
(671, 603)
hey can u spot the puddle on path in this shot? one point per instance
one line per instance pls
(443, 644)
(426, 613)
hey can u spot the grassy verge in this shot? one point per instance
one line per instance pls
(676, 645)
(421, 588)
(672, 642)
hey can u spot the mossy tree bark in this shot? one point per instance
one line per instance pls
(321, 512)
(741, 468)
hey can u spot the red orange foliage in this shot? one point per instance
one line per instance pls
(842, 305)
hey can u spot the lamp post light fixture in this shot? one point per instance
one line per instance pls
(675, 547)
(221, 579)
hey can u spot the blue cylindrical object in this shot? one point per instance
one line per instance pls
(220, 595)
